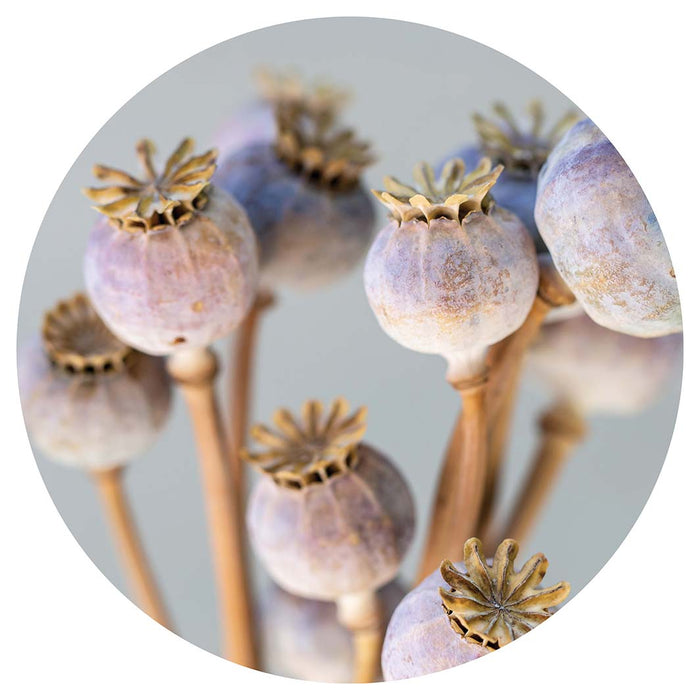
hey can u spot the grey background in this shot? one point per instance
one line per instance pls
(414, 89)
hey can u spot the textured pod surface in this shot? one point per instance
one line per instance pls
(93, 422)
(345, 535)
(604, 237)
(308, 235)
(181, 286)
(600, 370)
(302, 638)
(419, 638)
(443, 287)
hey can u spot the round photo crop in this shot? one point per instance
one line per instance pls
(350, 365)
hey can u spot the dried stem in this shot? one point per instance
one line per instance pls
(138, 572)
(361, 614)
(462, 483)
(242, 361)
(561, 428)
(195, 370)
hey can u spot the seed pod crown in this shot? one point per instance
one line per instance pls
(521, 151)
(310, 450)
(76, 339)
(493, 605)
(159, 200)
(310, 143)
(455, 195)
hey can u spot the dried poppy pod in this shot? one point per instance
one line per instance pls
(93, 403)
(255, 123)
(483, 607)
(604, 237)
(452, 273)
(302, 638)
(332, 518)
(312, 216)
(522, 150)
(173, 265)
(89, 400)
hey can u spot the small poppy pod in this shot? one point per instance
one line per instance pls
(255, 123)
(601, 371)
(312, 217)
(331, 516)
(604, 237)
(451, 273)
(90, 401)
(303, 638)
(174, 263)
(522, 150)
(462, 612)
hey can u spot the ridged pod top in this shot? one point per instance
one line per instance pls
(493, 605)
(522, 151)
(311, 450)
(310, 143)
(76, 339)
(168, 198)
(287, 88)
(454, 195)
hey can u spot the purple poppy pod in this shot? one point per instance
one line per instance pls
(89, 400)
(312, 217)
(452, 273)
(174, 263)
(604, 237)
(522, 150)
(460, 613)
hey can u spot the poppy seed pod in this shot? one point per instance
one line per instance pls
(452, 273)
(460, 613)
(174, 264)
(255, 123)
(312, 217)
(522, 151)
(332, 516)
(604, 237)
(601, 371)
(90, 401)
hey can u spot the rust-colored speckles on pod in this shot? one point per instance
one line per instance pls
(175, 263)
(604, 237)
(451, 271)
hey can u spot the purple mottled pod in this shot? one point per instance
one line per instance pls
(601, 371)
(522, 151)
(460, 613)
(312, 217)
(256, 123)
(302, 638)
(452, 273)
(90, 401)
(332, 517)
(174, 264)
(604, 237)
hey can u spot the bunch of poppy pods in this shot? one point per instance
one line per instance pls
(534, 247)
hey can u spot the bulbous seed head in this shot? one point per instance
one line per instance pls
(602, 371)
(451, 271)
(484, 606)
(332, 516)
(604, 237)
(89, 401)
(175, 265)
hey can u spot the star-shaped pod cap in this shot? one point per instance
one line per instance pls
(493, 605)
(520, 149)
(310, 450)
(76, 339)
(168, 198)
(455, 195)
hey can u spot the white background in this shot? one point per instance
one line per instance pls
(67, 68)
